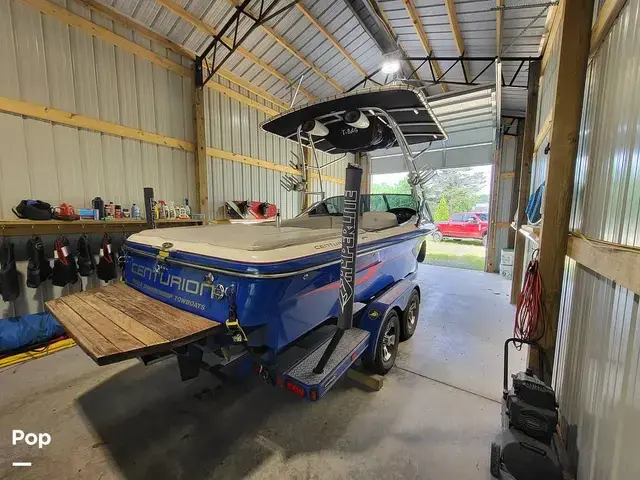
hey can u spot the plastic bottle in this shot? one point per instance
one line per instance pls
(187, 208)
(135, 211)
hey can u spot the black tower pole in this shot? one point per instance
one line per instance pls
(350, 223)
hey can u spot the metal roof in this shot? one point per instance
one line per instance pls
(477, 23)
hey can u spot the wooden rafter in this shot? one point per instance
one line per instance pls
(55, 11)
(331, 38)
(455, 29)
(293, 51)
(165, 42)
(209, 30)
(424, 40)
(499, 3)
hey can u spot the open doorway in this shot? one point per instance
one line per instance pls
(459, 201)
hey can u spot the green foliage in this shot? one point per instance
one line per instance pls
(457, 187)
(401, 187)
(442, 211)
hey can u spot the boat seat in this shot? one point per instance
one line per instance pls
(373, 221)
(314, 222)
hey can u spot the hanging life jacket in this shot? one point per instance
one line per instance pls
(106, 264)
(86, 262)
(64, 265)
(9, 286)
(38, 270)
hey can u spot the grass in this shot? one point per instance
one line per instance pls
(467, 254)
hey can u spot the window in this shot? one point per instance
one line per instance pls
(369, 203)
(483, 216)
(457, 217)
(468, 216)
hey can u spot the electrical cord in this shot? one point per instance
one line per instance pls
(602, 244)
(529, 322)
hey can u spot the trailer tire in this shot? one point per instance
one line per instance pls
(409, 320)
(387, 344)
(494, 464)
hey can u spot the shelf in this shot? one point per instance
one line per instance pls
(57, 227)
(530, 232)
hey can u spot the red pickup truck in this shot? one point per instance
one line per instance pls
(463, 225)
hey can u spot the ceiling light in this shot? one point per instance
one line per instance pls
(390, 66)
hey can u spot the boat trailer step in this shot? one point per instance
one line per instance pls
(301, 379)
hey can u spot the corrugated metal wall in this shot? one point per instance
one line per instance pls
(47, 62)
(597, 374)
(234, 127)
(507, 164)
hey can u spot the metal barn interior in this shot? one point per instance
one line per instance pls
(106, 97)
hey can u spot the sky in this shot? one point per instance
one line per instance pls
(393, 178)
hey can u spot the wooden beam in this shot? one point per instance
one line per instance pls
(424, 40)
(331, 38)
(42, 112)
(128, 22)
(606, 17)
(49, 8)
(574, 41)
(292, 50)
(499, 15)
(507, 175)
(615, 262)
(202, 174)
(455, 30)
(544, 131)
(525, 176)
(211, 31)
(515, 190)
(489, 262)
(553, 34)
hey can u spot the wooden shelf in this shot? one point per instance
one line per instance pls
(528, 231)
(532, 233)
(58, 227)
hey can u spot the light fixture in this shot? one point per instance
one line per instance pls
(314, 127)
(390, 66)
(357, 119)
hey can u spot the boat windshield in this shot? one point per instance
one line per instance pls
(380, 202)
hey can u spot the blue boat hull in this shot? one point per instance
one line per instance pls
(275, 303)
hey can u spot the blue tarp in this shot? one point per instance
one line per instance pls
(19, 332)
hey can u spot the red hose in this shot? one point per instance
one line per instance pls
(529, 323)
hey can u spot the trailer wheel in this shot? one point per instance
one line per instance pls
(409, 320)
(387, 345)
(494, 465)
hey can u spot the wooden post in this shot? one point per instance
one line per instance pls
(567, 108)
(202, 179)
(515, 192)
(525, 175)
(494, 196)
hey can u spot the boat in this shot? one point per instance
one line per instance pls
(272, 283)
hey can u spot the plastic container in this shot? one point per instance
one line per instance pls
(506, 271)
(135, 211)
(506, 256)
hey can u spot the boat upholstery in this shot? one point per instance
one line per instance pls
(373, 221)
(370, 221)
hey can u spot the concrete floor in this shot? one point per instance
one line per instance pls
(434, 418)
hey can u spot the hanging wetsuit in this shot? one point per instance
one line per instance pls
(86, 262)
(106, 264)
(64, 265)
(9, 286)
(38, 269)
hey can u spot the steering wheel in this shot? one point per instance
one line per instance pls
(403, 214)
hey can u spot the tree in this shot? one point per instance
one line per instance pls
(460, 187)
(442, 212)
